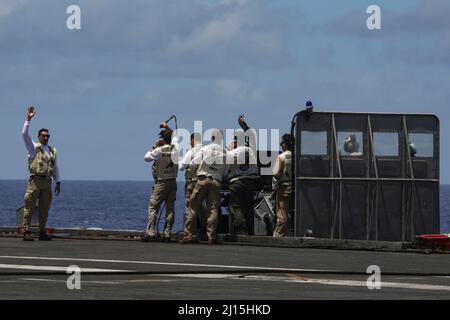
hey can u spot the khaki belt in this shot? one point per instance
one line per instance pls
(206, 177)
(40, 176)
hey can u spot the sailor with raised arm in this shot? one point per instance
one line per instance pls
(164, 156)
(42, 167)
(243, 176)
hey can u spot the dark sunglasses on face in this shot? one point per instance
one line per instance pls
(45, 136)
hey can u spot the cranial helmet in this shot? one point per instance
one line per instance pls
(412, 149)
(217, 135)
(351, 145)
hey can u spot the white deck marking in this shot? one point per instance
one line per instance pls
(167, 264)
(331, 282)
(53, 268)
(397, 285)
(118, 282)
(328, 282)
(64, 281)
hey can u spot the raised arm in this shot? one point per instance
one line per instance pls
(152, 155)
(25, 135)
(242, 123)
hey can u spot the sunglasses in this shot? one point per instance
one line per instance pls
(45, 136)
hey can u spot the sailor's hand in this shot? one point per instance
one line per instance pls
(241, 120)
(242, 123)
(163, 125)
(30, 113)
(58, 188)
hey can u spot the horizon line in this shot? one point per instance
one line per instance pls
(125, 180)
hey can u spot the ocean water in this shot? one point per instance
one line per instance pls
(116, 205)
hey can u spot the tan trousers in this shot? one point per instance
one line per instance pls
(38, 189)
(201, 210)
(209, 189)
(165, 190)
(284, 194)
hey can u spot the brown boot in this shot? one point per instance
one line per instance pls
(213, 241)
(43, 236)
(27, 236)
(188, 239)
(148, 238)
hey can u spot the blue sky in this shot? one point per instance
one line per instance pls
(103, 90)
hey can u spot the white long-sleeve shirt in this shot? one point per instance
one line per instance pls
(153, 155)
(31, 148)
(188, 157)
(239, 158)
(206, 150)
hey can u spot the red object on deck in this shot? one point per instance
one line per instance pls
(439, 241)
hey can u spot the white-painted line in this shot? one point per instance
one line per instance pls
(169, 264)
(397, 285)
(328, 282)
(147, 280)
(120, 282)
(64, 281)
(286, 279)
(205, 276)
(53, 268)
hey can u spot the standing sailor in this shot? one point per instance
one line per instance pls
(165, 169)
(211, 162)
(282, 173)
(42, 167)
(243, 177)
(191, 178)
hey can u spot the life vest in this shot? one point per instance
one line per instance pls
(244, 166)
(213, 163)
(286, 176)
(164, 168)
(41, 164)
(191, 171)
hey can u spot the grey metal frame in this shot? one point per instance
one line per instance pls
(375, 181)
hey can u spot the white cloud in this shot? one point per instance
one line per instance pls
(8, 6)
(235, 32)
(235, 89)
(161, 38)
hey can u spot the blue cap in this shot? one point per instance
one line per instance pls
(309, 104)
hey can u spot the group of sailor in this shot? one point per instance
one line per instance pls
(206, 167)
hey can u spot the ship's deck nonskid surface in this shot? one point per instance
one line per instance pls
(136, 270)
